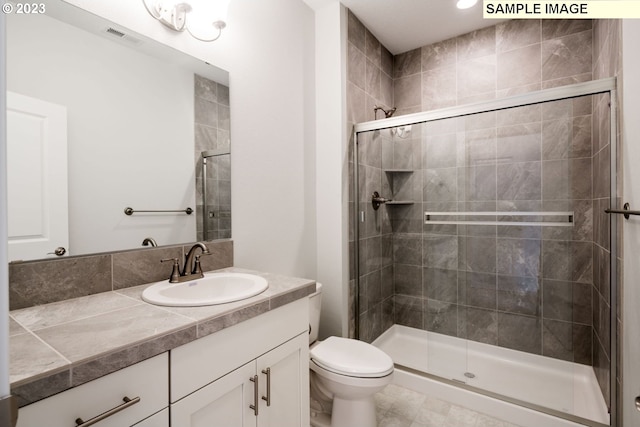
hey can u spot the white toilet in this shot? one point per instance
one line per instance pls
(345, 375)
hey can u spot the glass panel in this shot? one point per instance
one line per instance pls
(489, 264)
(375, 243)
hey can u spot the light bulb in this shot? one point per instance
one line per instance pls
(466, 4)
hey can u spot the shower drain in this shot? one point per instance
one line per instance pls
(469, 375)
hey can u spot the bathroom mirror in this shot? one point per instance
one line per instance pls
(136, 116)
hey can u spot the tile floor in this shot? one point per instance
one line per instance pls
(400, 407)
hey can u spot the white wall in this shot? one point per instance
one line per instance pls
(272, 153)
(4, 267)
(130, 122)
(631, 227)
(267, 48)
(331, 166)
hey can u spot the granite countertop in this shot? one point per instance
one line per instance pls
(61, 345)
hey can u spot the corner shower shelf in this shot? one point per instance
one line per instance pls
(400, 202)
(398, 170)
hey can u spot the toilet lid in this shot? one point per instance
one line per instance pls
(352, 358)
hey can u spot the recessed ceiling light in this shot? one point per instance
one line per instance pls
(466, 4)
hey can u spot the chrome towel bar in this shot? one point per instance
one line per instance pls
(626, 211)
(130, 211)
(568, 223)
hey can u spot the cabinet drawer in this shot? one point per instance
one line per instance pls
(200, 362)
(147, 380)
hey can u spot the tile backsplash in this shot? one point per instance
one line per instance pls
(46, 281)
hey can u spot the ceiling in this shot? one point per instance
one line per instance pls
(402, 25)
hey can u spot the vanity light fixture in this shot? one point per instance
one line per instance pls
(203, 19)
(466, 4)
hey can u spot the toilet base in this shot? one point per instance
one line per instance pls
(354, 413)
(320, 420)
(346, 401)
(347, 413)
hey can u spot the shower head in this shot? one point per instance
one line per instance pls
(387, 113)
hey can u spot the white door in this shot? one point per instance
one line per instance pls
(284, 384)
(37, 177)
(631, 227)
(223, 403)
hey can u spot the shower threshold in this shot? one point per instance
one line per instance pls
(566, 389)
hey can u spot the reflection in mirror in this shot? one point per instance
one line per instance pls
(216, 195)
(137, 116)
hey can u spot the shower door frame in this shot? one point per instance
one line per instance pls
(594, 87)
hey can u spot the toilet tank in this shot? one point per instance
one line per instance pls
(315, 301)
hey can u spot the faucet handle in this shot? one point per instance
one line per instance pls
(175, 272)
(197, 268)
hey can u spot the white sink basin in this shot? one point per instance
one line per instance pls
(213, 288)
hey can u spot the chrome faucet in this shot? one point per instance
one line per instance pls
(191, 268)
(149, 241)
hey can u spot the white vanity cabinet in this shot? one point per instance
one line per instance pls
(254, 373)
(237, 377)
(145, 385)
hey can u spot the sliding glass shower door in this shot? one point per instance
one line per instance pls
(484, 250)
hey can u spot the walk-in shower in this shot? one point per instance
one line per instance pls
(215, 207)
(482, 250)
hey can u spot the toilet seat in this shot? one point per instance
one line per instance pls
(351, 358)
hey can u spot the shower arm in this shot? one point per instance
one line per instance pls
(387, 113)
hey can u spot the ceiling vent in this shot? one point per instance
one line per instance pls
(119, 35)
(115, 32)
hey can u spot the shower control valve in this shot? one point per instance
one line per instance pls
(377, 200)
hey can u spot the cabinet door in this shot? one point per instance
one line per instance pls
(288, 389)
(161, 419)
(223, 403)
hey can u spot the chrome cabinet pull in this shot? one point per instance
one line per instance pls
(127, 402)
(638, 403)
(254, 380)
(267, 372)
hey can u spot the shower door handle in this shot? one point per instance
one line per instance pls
(626, 211)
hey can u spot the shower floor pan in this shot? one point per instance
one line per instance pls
(519, 377)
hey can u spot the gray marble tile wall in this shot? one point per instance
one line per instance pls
(526, 288)
(370, 83)
(532, 158)
(41, 282)
(212, 113)
(434, 273)
(607, 63)
(500, 289)
(509, 58)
